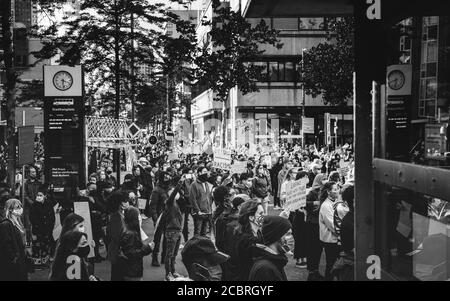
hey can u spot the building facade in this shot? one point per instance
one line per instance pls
(274, 113)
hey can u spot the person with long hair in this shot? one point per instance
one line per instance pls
(328, 195)
(261, 186)
(13, 258)
(70, 259)
(132, 249)
(247, 234)
(290, 177)
(297, 219)
(314, 244)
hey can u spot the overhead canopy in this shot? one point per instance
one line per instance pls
(296, 8)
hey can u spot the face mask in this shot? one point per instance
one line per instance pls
(203, 177)
(40, 199)
(83, 251)
(18, 212)
(188, 176)
(283, 246)
(81, 229)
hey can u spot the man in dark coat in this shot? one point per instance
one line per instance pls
(117, 202)
(270, 258)
(12, 253)
(157, 202)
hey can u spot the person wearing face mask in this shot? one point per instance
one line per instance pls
(42, 218)
(186, 209)
(261, 187)
(245, 185)
(246, 235)
(173, 226)
(329, 194)
(202, 260)
(70, 263)
(270, 258)
(110, 178)
(117, 204)
(314, 245)
(132, 248)
(31, 187)
(200, 199)
(157, 202)
(13, 258)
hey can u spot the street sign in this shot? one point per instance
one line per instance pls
(63, 125)
(134, 130)
(152, 140)
(26, 145)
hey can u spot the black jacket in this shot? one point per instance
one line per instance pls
(312, 210)
(42, 218)
(12, 253)
(267, 266)
(60, 273)
(157, 202)
(132, 252)
(347, 232)
(242, 252)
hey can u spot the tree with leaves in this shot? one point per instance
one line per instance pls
(328, 67)
(226, 62)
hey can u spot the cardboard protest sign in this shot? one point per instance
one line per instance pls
(172, 156)
(142, 203)
(238, 167)
(82, 209)
(295, 195)
(222, 159)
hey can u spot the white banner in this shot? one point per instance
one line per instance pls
(295, 195)
(222, 159)
(238, 167)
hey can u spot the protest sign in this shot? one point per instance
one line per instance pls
(82, 209)
(268, 160)
(222, 159)
(142, 203)
(172, 156)
(295, 195)
(238, 167)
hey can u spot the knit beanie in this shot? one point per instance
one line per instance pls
(273, 228)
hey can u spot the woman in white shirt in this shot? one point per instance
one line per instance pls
(328, 195)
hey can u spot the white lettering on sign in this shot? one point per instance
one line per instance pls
(74, 270)
(374, 10)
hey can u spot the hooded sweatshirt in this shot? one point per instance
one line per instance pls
(267, 265)
(312, 210)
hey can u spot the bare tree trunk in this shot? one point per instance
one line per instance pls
(117, 86)
(10, 90)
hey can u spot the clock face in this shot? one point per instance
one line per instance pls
(62, 80)
(396, 80)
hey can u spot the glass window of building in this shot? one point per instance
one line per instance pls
(273, 71)
(289, 71)
(311, 24)
(285, 23)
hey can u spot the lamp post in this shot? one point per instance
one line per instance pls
(303, 98)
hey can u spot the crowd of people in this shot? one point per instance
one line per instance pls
(227, 226)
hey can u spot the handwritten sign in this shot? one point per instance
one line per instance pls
(222, 159)
(238, 167)
(295, 195)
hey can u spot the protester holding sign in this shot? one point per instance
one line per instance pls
(261, 187)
